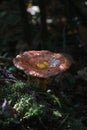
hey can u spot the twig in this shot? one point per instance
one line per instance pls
(3, 59)
(8, 76)
(63, 121)
(13, 80)
(42, 124)
(26, 128)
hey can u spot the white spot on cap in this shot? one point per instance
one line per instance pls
(54, 62)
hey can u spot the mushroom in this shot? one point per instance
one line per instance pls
(41, 64)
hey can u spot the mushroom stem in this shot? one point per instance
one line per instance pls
(44, 83)
(33, 80)
(39, 82)
(28, 79)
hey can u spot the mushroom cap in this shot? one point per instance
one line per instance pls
(41, 63)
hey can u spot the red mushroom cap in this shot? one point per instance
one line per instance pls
(41, 63)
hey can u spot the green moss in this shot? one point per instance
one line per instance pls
(27, 107)
(29, 102)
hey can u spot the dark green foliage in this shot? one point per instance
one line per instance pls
(64, 105)
(30, 102)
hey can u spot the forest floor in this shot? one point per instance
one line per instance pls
(23, 105)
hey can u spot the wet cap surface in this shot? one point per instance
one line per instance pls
(41, 63)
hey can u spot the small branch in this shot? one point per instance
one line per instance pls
(26, 128)
(7, 76)
(42, 123)
(2, 79)
(63, 121)
(3, 59)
